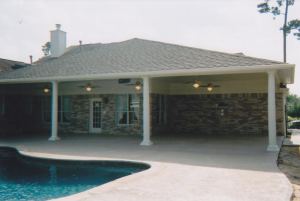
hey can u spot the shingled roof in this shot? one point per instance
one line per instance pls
(135, 55)
(8, 65)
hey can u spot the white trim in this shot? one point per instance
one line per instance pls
(164, 73)
(91, 128)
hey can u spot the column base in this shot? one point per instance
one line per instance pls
(273, 147)
(54, 138)
(146, 143)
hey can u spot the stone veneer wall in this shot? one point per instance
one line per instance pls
(80, 116)
(201, 114)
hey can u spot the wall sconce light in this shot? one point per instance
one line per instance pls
(138, 86)
(196, 85)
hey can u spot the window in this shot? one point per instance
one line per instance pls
(160, 112)
(127, 109)
(64, 109)
(2, 105)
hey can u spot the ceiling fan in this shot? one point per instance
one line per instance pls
(89, 87)
(209, 86)
(131, 82)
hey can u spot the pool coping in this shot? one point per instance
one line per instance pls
(153, 168)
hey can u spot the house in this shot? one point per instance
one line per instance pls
(143, 87)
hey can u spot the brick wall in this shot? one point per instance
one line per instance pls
(221, 114)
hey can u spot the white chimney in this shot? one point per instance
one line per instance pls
(58, 42)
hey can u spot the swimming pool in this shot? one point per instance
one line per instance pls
(28, 178)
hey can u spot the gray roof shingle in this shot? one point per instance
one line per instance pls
(135, 55)
(9, 65)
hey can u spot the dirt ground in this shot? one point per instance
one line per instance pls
(289, 163)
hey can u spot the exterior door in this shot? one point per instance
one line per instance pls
(95, 115)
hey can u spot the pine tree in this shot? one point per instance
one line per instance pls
(276, 10)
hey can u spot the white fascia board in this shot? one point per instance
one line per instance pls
(162, 73)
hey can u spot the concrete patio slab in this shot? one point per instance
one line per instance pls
(190, 168)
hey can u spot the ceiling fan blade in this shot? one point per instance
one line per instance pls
(208, 86)
(84, 86)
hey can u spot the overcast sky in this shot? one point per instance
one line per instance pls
(223, 25)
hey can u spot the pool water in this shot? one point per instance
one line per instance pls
(27, 178)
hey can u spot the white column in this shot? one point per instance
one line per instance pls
(146, 112)
(54, 111)
(272, 146)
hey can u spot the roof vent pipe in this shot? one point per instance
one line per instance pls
(80, 44)
(30, 57)
(58, 40)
